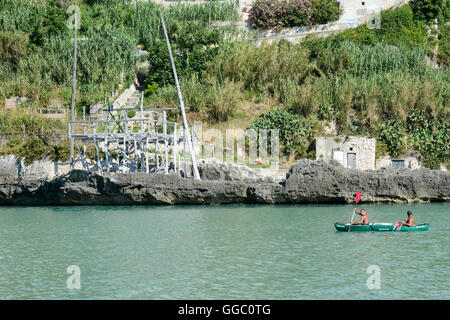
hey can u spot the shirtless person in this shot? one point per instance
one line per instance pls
(364, 220)
(410, 220)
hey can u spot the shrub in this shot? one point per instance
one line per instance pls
(276, 14)
(295, 134)
(398, 27)
(13, 47)
(21, 124)
(147, 24)
(262, 68)
(225, 100)
(324, 11)
(36, 49)
(30, 149)
(429, 133)
(393, 135)
(131, 113)
(61, 151)
(151, 89)
(444, 46)
(193, 47)
(429, 10)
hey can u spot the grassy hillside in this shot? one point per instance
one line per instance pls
(366, 81)
(36, 46)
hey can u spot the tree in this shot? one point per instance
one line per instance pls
(429, 10)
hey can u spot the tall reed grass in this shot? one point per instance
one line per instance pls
(371, 83)
(147, 23)
(106, 59)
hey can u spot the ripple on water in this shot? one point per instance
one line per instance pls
(235, 252)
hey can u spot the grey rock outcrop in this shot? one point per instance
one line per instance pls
(320, 181)
(212, 169)
(307, 182)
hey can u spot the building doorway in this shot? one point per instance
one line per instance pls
(351, 160)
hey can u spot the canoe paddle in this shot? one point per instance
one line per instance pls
(358, 196)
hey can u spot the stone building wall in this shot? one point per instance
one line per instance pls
(338, 148)
(411, 161)
(365, 149)
(354, 13)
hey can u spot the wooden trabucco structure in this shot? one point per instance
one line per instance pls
(146, 142)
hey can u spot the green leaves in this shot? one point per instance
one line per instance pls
(425, 131)
(295, 134)
(276, 14)
(13, 48)
(151, 89)
(193, 47)
(398, 28)
(393, 135)
(430, 135)
(429, 10)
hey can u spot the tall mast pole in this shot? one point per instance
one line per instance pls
(74, 83)
(180, 98)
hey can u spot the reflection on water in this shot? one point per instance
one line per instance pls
(226, 252)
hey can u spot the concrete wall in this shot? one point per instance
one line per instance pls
(363, 147)
(354, 14)
(39, 169)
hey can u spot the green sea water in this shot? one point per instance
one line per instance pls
(220, 252)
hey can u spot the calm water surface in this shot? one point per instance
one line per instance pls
(220, 252)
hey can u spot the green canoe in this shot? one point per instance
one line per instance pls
(341, 226)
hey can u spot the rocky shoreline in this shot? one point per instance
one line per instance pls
(306, 182)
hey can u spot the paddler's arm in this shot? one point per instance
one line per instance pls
(408, 224)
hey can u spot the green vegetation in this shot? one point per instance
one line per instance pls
(295, 133)
(31, 137)
(358, 87)
(444, 46)
(399, 27)
(373, 82)
(276, 14)
(36, 47)
(429, 10)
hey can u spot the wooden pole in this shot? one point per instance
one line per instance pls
(124, 154)
(142, 112)
(74, 83)
(174, 147)
(147, 169)
(180, 98)
(166, 146)
(184, 151)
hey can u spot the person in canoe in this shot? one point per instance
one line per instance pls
(409, 221)
(364, 220)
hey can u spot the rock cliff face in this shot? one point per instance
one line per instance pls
(307, 182)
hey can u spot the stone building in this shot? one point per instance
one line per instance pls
(408, 160)
(352, 152)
